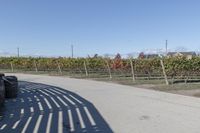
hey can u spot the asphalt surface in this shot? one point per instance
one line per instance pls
(41, 108)
(112, 107)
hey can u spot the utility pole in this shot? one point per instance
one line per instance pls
(72, 50)
(166, 46)
(18, 52)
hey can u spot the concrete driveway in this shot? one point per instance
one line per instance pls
(132, 110)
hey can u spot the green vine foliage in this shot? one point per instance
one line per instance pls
(176, 66)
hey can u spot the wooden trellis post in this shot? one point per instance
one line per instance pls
(36, 69)
(132, 70)
(109, 71)
(59, 68)
(85, 67)
(11, 65)
(164, 73)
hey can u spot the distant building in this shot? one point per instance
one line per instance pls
(151, 56)
(188, 55)
(147, 56)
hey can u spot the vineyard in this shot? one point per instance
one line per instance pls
(176, 69)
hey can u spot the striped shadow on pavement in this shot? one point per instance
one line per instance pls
(41, 108)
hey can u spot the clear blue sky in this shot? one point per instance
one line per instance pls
(48, 27)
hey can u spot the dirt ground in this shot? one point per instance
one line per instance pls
(182, 89)
(189, 89)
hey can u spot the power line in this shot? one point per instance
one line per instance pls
(18, 52)
(166, 46)
(72, 50)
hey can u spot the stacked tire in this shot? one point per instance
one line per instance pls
(2, 91)
(8, 87)
(11, 86)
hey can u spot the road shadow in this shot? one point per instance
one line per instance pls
(40, 107)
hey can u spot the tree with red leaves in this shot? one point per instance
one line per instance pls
(117, 63)
(141, 55)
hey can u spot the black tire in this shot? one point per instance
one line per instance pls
(2, 74)
(11, 86)
(2, 92)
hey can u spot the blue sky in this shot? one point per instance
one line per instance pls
(49, 27)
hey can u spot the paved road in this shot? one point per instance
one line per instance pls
(41, 108)
(125, 109)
